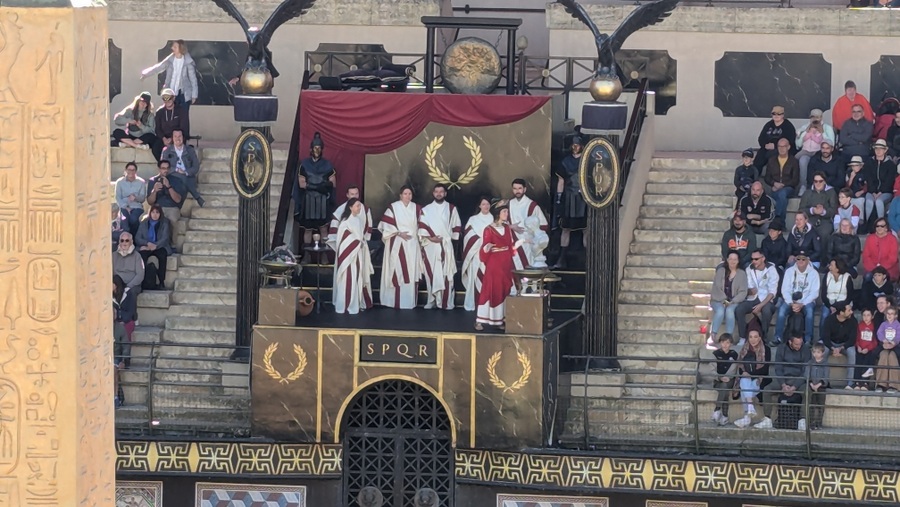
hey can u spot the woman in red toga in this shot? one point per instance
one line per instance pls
(497, 257)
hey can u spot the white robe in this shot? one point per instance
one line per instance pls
(401, 268)
(352, 269)
(519, 211)
(472, 267)
(365, 215)
(438, 258)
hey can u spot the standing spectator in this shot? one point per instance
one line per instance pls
(856, 135)
(839, 335)
(775, 247)
(826, 163)
(881, 250)
(726, 367)
(753, 367)
(728, 291)
(184, 160)
(818, 374)
(169, 118)
(138, 124)
(876, 286)
(809, 141)
(782, 177)
(837, 287)
(127, 263)
(757, 207)
(154, 239)
(124, 304)
(167, 192)
(881, 173)
(745, 175)
(840, 112)
(799, 291)
(739, 239)
(181, 76)
(790, 363)
(762, 291)
(844, 246)
(887, 376)
(131, 192)
(775, 129)
(803, 238)
(119, 225)
(846, 210)
(820, 203)
(866, 345)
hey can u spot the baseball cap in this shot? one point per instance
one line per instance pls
(802, 254)
(815, 113)
(747, 153)
(167, 92)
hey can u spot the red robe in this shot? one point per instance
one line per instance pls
(498, 266)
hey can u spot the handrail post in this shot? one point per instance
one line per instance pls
(695, 407)
(150, 387)
(584, 405)
(806, 415)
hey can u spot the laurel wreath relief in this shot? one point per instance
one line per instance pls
(498, 382)
(292, 376)
(438, 174)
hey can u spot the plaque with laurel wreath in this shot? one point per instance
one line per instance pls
(598, 173)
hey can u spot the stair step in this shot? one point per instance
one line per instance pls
(223, 338)
(670, 261)
(183, 376)
(660, 326)
(215, 213)
(696, 201)
(717, 189)
(147, 334)
(706, 212)
(660, 377)
(686, 274)
(692, 337)
(224, 155)
(682, 225)
(695, 177)
(214, 286)
(661, 311)
(203, 298)
(208, 261)
(667, 249)
(662, 365)
(207, 273)
(200, 310)
(209, 402)
(657, 350)
(667, 237)
(662, 298)
(154, 299)
(698, 164)
(215, 249)
(213, 225)
(182, 350)
(229, 237)
(200, 323)
(673, 286)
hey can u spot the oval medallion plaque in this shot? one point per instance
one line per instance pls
(598, 173)
(251, 164)
(471, 66)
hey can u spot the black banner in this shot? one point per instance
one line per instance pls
(392, 349)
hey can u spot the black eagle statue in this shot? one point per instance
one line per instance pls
(607, 45)
(259, 73)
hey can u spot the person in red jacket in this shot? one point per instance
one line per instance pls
(881, 250)
(866, 345)
(842, 107)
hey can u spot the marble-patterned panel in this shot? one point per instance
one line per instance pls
(217, 62)
(884, 79)
(658, 67)
(115, 70)
(338, 382)
(748, 84)
(139, 494)
(455, 387)
(528, 500)
(249, 495)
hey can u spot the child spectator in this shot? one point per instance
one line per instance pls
(866, 346)
(817, 373)
(859, 187)
(887, 376)
(745, 175)
(726, 367)
(846, 210)
(753, 366)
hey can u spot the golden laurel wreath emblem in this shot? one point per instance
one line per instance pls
(500, 384)
(292, 376)
(438, 174)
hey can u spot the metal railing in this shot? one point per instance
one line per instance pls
(664, 406)
(633, 134)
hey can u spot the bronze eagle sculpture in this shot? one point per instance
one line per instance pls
(607, 45)
(259, 57)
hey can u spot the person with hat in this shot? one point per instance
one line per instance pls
(777, 128)
(739, 239)
(881, 173)
(314, 191)
(856, 134)
(799, 291)
(775, 246)
(169, 118)
(826, 163)
(137, 122)
(745, 175)
(573, 215)
(858, 184)
(809, 141)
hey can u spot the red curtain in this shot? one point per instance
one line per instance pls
(356, 124)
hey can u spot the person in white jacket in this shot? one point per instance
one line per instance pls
(799, 290)
(181, 75)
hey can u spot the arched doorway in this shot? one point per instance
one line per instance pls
(397, 438)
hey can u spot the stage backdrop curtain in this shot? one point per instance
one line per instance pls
(356, 124)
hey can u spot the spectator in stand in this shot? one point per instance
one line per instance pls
(726, 368)
(745, 175)
(119, 225)
(881, 173)
(866, 345)
(803, 238)
(138, 124)
(790, 363)
(799, 291)
(881, 250)
(739, 239)
(844, 246)
(841, 111)
(127, 263)
(820, 203)
(154, 239)
(893, 137)
(878, 285)
(775, 247)
(757, 207)
(826, 163)
(881, 306)
(181, 76)
(775, 129)
(169, 118)
(124, 305)
(818, 376)
(809, 141)
(838, 332)
(846, 210)
(166, 191)
(859, 186)
(185, 162)
(856, 135)
(884, 118)
(131, 192)
(753, 368)
(887, 374)
(729, 290)
(762, 291)
(837, 287)
(894, 209)
(782, 177)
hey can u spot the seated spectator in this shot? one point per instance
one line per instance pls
(782, 177)
(762, 291)
(838, 332)
(119, 225)
(866, 345)
(881, 172)
(876, 286)
(753, 368)
(738, 239)
(775, 129)
(894, 209)
(131, 191)
(884, 118)
(127, 263)
(154, 239)
(837, 287)
(846, 210)
(745, 175)
(775, 247)
(887, 374)
(167, 192)
(809, 141)
(844, 246)
(790, 363)
(726, 369)
(856, 135)
(184, 161)
(169, 118)
(858, 184)
(138, 124)
(729, 290)
(757, 207)
(841, 111)
(799, 291)
(818, 375)
(826, 163)
(893, 137)
(820, 203)
(881, 250)
(803, 238)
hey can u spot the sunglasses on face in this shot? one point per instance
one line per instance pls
(777, 114)
(167, 99)
(124, 241)
(818, 181)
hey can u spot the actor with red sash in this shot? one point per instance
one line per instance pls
(439, 227)
(472, 267)
(365, 215)
(401, 268)
(353, 263)
(521, 208)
